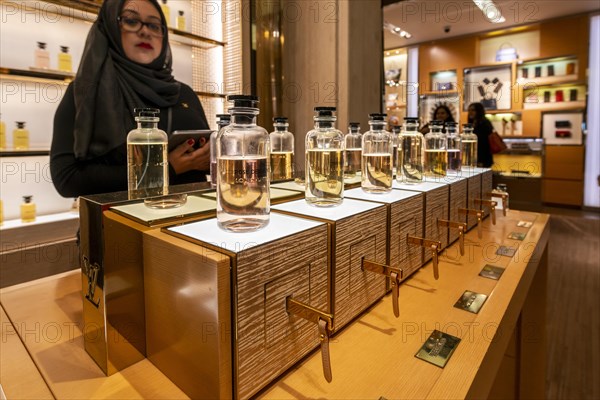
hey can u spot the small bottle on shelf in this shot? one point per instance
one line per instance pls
(377, 156)
(222, 121)
(20, 137)
(243, 196)
(324, 161)
(2, 135)
(454, 147)
(28, 209)
(65, 63)
(410, 153)
(353, 152)
(282, 150)
(166, 11)
(41, 56)
(181, 21)
(468, 145)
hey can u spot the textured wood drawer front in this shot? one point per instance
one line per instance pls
(458, 199)
(436, 207)
(406, 219)
(474, 192)
(269, 340)
(486, 187)
(362, 235)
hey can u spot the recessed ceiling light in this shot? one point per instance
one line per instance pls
(490, 10)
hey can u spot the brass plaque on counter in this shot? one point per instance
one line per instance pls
(525, 224)
(438, 348)
(506, 251)
(491, 272)
(471, 301)
(517, 235)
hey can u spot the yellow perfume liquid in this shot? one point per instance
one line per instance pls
(353, 159)
(410, 160)
(243, 193)
(147, 175)
(469, 153)
(27, 209)
(42, 57)
(282, 165)
(21, 137)
(181, 21)
(377, 173)
(436, 162)
(454, 160)
(325, 177)
(2, 136)
(65, 63)
(166, 11)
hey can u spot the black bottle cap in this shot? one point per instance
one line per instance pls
(280, 120)
(41, 45)
(240, 100)
(147, 112)
(411, 119)
(224, 117)
(181, 13)
(354, 124)
(164, 1)
(451, 124)
(396, 128)
(436, 122)
(469, 125)
(27, 199)
(64, 49)
(377, 117)
(20, 124)
(325, 111)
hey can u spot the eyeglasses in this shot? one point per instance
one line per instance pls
(130, 24)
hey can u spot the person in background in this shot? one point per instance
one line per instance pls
(441, 113)
(483, 128)
(126, 64)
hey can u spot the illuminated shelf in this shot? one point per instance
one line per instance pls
(563, 105)
(37, 74)
(23, 153)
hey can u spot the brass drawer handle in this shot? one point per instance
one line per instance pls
(478, 214)
(395, 274)
(433, 245)
(462, 228)
(491, 204)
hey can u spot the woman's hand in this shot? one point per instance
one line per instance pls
(185, 158)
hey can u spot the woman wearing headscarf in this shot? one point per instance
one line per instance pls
(126, 64)
(483, 128)
(442, 113)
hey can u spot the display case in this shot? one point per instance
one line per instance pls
(546, 71)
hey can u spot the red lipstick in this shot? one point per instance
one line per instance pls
(145, 45)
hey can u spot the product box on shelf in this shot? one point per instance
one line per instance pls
(357, 234)
(405, 217)
(199, 331)
(111, 260)
(435, 207)
(457, 200)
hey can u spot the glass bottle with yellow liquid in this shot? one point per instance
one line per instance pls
(410, 153)
(453, 145)
(180, 21)
(222, 121)
(2, 135)
(65, 62)
(396, 130)
(436, 154)
(20, 137)
(324, 161)
(166, 11)
(468, 144)
(243, 150)
(353, 150)
(377, 156)
(282, 150)
(27, 209)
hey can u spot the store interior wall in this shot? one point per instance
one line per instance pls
(592, 164)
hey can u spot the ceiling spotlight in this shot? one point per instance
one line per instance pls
(490, 10)
(396, 29)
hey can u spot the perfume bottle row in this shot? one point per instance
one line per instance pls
(20, 136)
(27, 210)
(42, 58)
(180, 20)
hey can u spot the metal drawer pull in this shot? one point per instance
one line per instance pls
(395, 274)
(462, 228)
(491, 204)
(434, 245)
(478, 214)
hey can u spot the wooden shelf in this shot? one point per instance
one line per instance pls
(440, 92)
(37, 74)
(549, 80)
(23, 153)
(208, 94)
(564, 105)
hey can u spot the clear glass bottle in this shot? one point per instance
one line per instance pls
(436, 155)
(180, 21)
(20, 137)
(28, 209)
(166, 11)
(324, 161)
(41, 56)
(222, 121)
(377, 156)
(396, 130)
(2, 135)
(243, 198)
(282, 150)
(410, 153)
(468, 142)
(65, 63)
(353, 152)
(147, 162)
(453, 146)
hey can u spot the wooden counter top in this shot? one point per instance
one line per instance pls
(372, 357)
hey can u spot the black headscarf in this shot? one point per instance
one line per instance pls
(108, 86)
